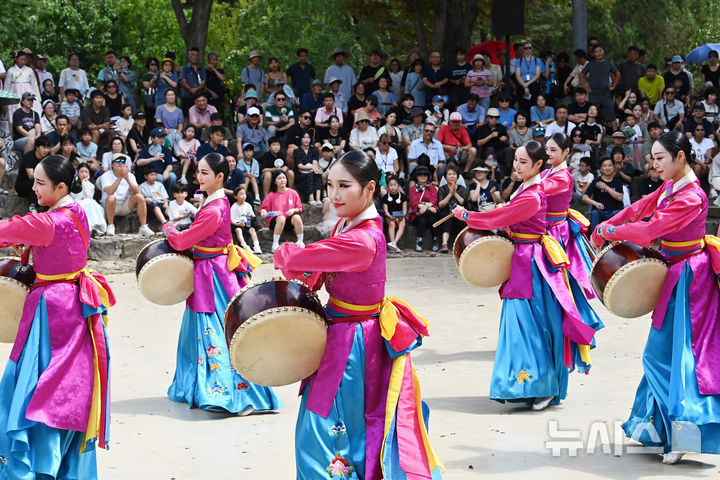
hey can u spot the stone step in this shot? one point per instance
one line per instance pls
(8, 181)
(12, 205)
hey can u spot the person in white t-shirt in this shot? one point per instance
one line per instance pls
(561, 123)
(181, 212)
(242, 216)
(125, 123)
(121, 195)
(582, 179)
(155, 196)
(703, 148)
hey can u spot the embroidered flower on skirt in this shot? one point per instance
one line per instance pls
(209, 331)
(339, 467)
(214, 366)
(337, 430)
(242, 386)
(213, 351)
(216, 390)
(523, 377)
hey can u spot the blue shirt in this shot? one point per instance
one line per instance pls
(256, 136)
(161, 86)
(471, 118)
(157, 166)
(194, 77)
(537, 116)
(256, 76)
(309, 103)
(507, 118)
(384, 104)
(253, 168)
(301, 77)
(206, 148)
(344, 73)
(434, 151)
(169, 119)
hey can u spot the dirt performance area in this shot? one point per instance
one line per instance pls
(154, 438)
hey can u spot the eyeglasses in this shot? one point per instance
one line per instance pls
(669, 93)
(306, 117)
(153, 64)
(528, 48)
(503, 100)
(384, 143)
(280, 99)
(429, 130)
(699, 129)
(577, 135)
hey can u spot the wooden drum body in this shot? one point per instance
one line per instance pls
(164, 275)
(628, 278)
(276, 332)
(483, 257)
(15, 283)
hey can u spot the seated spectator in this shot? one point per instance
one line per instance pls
(359, 99)
(512, 182)
(312, 100)
(711, 106)
(335, 136)
(250, 169)
(670, 111)
(279, 117)
(698, 118)
(170, 118)
(271, 161)
(651, 183)
(483, 193)
(242, 217)
(165, 80)
(327, 157)
(651, 85)
(25, 124)
(456, 142)
(62, 129)
(437, 114)
(295, 133)
(247, 102)
(70, 107)
(327, 111)
(26, 171)
(236, 178)
(605, 194)
(199, 114)
(87, 150)
(430, 147)
(371, 111)
(96, 117)
(385, 98)
(541, 113)
(121, 195)
(114, 100)
(186, 151)
(124, 124)
(395, 208)
(521, 133)
(155, 195)
(307, 172)
(492, 139)
(582, 179)
(251, 131)
(561, 123)
(423, 197)
(280, 204)
(67, 150)
(413, 130)
(157, 157)
(341, 101)
(386, 157)
(450, 196)
(507, 114)
(216, 120)
(86, 199)
(592, 132)
(704, 150)
(403, 110)
(139, 135)
(631, 130)
(47, 119)
(577, 110)
(618, 141)
(654, 132)
(364, 135)
(181, 212)
(217, 136)
(473, 115)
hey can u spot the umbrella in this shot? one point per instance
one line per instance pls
(493, 47)
(8, 98)
(700, 54)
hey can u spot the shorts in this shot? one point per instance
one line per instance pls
(19, 144)
(288, 225)
(159, 205)
(123, 209)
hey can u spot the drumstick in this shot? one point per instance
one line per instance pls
(443, 220)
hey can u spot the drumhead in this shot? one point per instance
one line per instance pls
(13, 294)
(634, 289)
(166, 279)
(279, 346)
(486, 261)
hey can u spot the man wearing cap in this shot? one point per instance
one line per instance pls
(413, 131)
(252, 132)
(199, 114)
(698, 118)
(139, 136)
(193, 78)
(96, 117)
(340, 101)
(301, 73)
(254, 74)
(26, 124)
(426, 145)
(594, 80)
(492, 139)
(456, 142)
(158, 159)
(41, 70)
(538, 134)
(341, 72)
(121, 195)
(678, 78)
(313, 99)
(370, 74)
(473, 115)
(251, 100)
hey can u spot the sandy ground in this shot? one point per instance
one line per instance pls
(154, 438)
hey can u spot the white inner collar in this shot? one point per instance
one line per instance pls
(217, 194)
(63, 202)
(684, 181)
(369, 213)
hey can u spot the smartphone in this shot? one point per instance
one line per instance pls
(198, 195)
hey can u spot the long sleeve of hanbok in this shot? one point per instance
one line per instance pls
(521, 208)
(643, 208)
(206, 222)
(676, 216)
(33, 229)
(351, 251)
(556, 184)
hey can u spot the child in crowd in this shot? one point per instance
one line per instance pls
(395, 204)
(632, 131)
(70, 107)
(155, 195)
(242, 217)
(94, 212)
(251, 168)
(180, 212)
(326, 159)
(186, 151)
(87, 149)
(125, 123)
(582, 179)
(279, 206)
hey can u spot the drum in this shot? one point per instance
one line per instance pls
(15, 283)
(628, 278)
(483, 257)
(164, 275)
(276, 332)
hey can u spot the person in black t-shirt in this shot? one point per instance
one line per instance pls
(271, 161)
(483, 193)
(650, 184)
(577, 110)
(139, 136)
(605, 194)
(458, 91)
(492, 139)
(395, 207)
(26, 171)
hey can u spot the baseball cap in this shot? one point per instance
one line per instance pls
(698, 106)
(252, 93)
(253, 111)
(120, 158)
(676, 59)
(316, 82)
(326, 146)
(617, 134)
(248, 146)
(481, 168)
(28, 96)
(438, 98)
(493, 112)
(538, 132)
(137, 116)
(157, 132)
(455, 117)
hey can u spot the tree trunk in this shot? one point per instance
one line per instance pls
(419, 27)
(579, 24)
(195, 31)
(459, 22)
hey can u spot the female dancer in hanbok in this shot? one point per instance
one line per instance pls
(542, 335)
(203, 375)
(361, 415)
(677, 404)
(54, 394)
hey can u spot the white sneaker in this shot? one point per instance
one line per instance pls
(245, 246)
(541, 403)
(256, 248)
(275, 246)
(145, 230)
(671, 458)
(110, 230)
(249, 410)
(300, 244)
